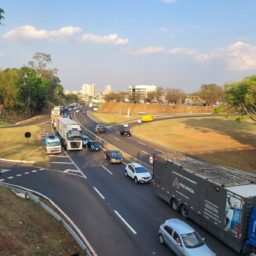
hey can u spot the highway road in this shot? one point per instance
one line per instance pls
(117, 216)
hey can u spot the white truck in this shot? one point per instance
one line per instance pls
(70, 133)
(52, 144)
(55, 114)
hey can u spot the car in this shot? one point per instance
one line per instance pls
(85, 140)
(182, 239)
(100, 128)
(147, 118)
(114, 156)
(125, 131)
(138, 173)
(94, 145)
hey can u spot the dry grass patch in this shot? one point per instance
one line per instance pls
(114, 118)
(218, 140)
(14, 145)
(26, 229)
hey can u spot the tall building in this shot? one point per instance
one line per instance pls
(107, 90)
(140, 92)
(89, 90)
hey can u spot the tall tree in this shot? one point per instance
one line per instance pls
(211, 93)
(1, 15)
(242, 96)
(175, 96)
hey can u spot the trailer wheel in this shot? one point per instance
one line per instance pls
(184, 211)
(174, 204)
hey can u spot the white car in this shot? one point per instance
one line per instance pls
(138, 173)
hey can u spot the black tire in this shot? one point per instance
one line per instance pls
(184, 211)
(135, 180)
(161, 239)
(125, 173)
(174, 204)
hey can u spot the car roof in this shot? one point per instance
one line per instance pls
(179, 226)
(135, 165)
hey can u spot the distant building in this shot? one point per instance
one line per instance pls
(140, 92)
(89, 90)
(107, 90)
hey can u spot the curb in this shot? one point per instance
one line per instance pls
(17, 161)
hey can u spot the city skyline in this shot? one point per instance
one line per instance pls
(173, 44)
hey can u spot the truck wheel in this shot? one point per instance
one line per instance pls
(174, 204)
(135, 180)
(184, 211)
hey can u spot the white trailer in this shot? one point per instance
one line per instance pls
(70, 133)
(55, 114)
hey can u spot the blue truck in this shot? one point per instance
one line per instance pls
(52, 144)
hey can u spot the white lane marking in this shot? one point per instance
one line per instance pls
(34, 171)
(26, 172)
(125, 222)
(98, 192)
(160, 151)
(18, 175)
(75, 165)
(57, 156)
(116, 138)
(70, 170)
(41, 169)
(145, 152)
(125, 163)
(5, 170)
(141, 143)
(1, 180)
(10, 177)
(106, 169)
(61, 163)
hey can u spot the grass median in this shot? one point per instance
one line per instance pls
(14, 145)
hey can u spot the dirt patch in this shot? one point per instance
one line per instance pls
(26, 229)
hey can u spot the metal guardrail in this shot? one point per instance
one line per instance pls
(28, 195)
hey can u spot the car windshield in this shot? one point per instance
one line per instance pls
(53, 143)
(95, 143)
(192, 240)
(85, 138)
(115, 154)
(74, 135)
(140, 170)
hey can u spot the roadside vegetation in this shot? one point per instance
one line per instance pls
(219, 140)
(14, 145)
(26, 229)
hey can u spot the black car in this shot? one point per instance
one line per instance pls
(114, 156)
(125, 131)
(94, 145)
(100, 128)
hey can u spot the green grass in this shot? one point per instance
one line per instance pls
(27, 230)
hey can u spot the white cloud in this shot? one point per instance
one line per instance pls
(149, 50)
(30, 32)
(186, 51)
(107, 39)
(169, 1)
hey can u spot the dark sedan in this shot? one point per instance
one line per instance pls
(125, 131)
(114, 156)
(94, 145)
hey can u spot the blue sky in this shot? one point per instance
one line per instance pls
(171, 43)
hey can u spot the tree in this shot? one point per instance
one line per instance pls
(175, 96)
(1, 15)
(241, 96)
(211, 93)
(9, 87)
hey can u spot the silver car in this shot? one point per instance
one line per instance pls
(182, 239)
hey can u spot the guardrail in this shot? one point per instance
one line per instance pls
(28, 195)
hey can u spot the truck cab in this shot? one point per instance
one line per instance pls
(52, 144)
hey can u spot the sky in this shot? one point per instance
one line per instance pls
(170, 43)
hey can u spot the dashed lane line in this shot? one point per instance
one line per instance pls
(34, 171)
(98, 192)
(61, 163)
(2, 180)
(26, 172)
(4, 170)
(106, 169)
(10, 177)
(116, 138)
(145, 152)
(141, 143)
(125, 222)
(18, 175)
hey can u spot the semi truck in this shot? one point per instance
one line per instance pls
(55, 114)
(70, 133)
(52, 144)
(221, 200)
